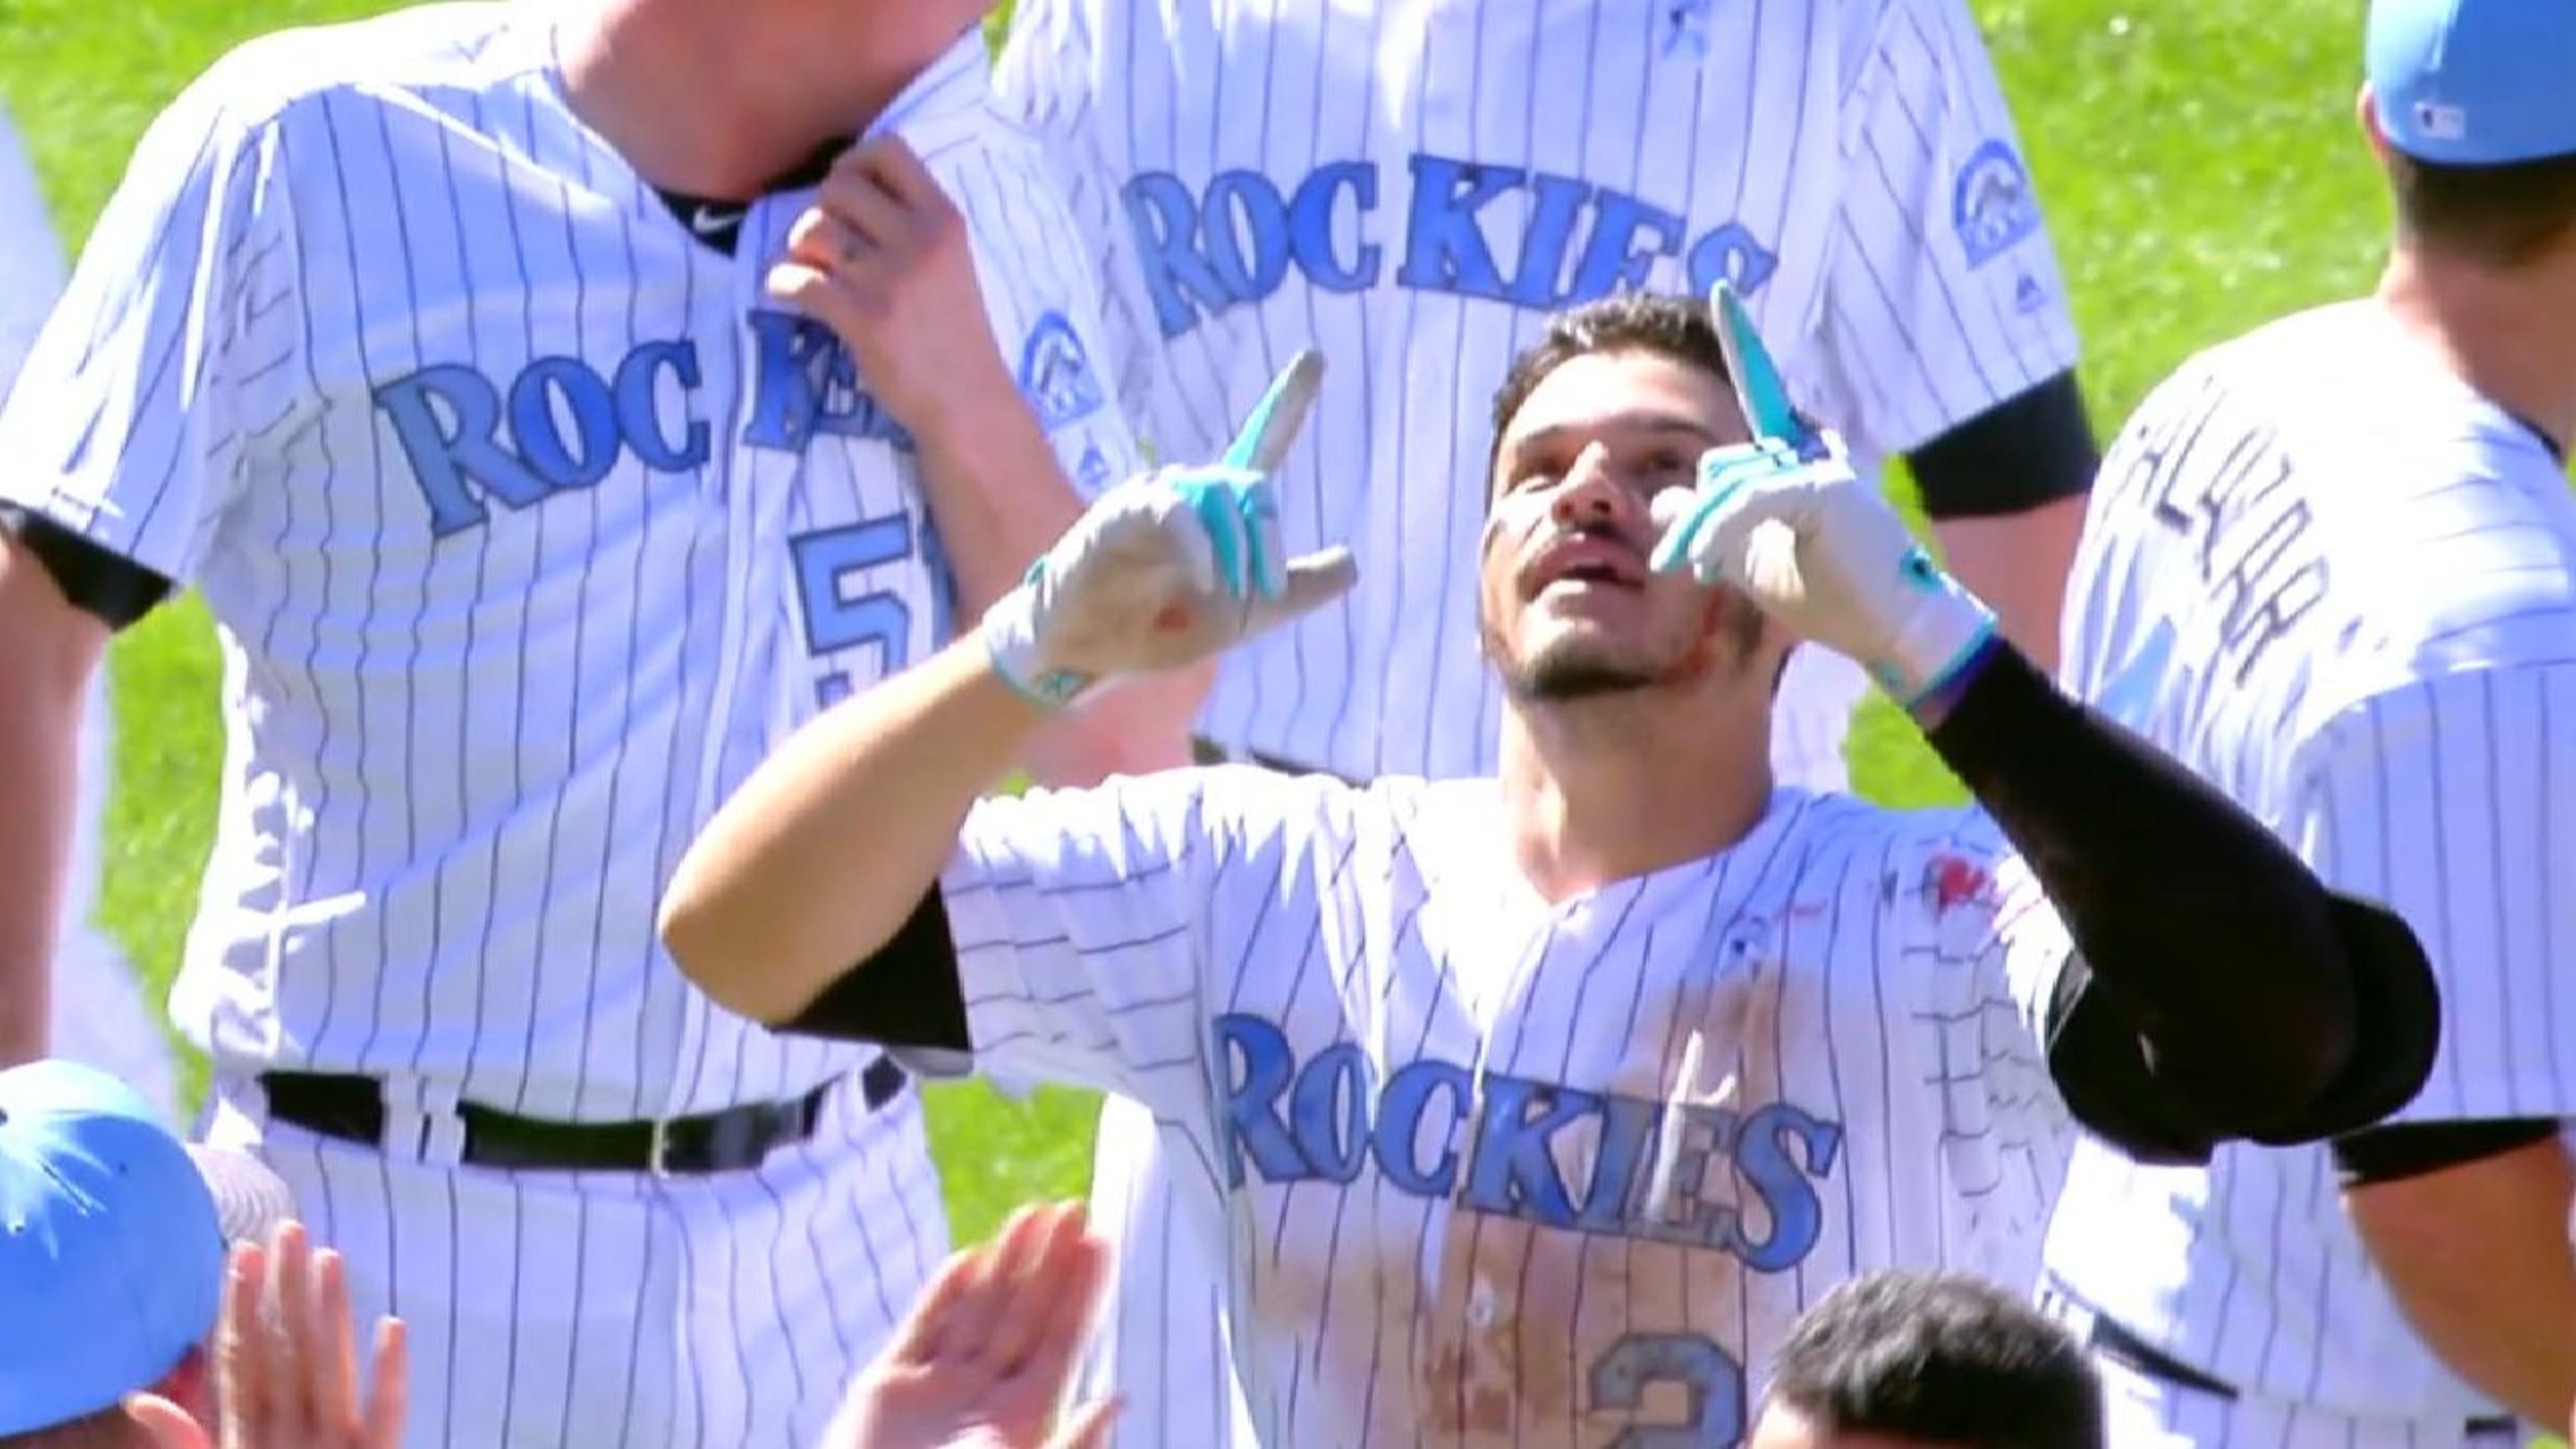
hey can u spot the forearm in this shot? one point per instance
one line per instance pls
(37, 779)
(47, 651)
(2218, 945)
(2018, 564)
(1000, 497)
(824, 853)
(2477, 1257)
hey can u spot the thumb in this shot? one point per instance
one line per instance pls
(1314, 580)
(165, 1425)
(1274, 423)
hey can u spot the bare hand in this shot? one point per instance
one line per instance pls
(882, 259)
(982, 1360)
(286, 1355)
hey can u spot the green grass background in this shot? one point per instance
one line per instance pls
(2197, 159)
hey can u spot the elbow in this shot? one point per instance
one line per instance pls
(718, 945)
(2357, 1044)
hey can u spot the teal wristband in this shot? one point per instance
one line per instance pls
(1955, 677)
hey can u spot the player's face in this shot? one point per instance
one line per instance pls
(1570, 608)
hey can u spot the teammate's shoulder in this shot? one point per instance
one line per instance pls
(449, 43)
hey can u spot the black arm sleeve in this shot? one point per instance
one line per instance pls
(2223, 991)
(96, 582)
(2402, 1150)
(906, 995)
(2025, 451)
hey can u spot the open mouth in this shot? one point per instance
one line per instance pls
(1587, 563)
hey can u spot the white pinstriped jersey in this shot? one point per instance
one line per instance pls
(1483, 1174)
(526, 522)
(1412, 186)
(2341, 586)
(31, 259)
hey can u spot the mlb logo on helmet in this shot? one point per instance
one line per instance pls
(2474, 82)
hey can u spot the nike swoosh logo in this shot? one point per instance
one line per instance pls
(709, 220)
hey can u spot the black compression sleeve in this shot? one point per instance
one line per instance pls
(114, 590)
(2208, 943)
(906, 995)
(2412, 1149)
(2023, 452)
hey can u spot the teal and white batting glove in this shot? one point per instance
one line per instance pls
(1168, 568)
(1785, 519)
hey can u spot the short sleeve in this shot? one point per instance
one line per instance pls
(123, 427)
(2452, 801)
(1083, 922)
(31, 256)
(1043, 300)
(1048, 78)
(1943, 296)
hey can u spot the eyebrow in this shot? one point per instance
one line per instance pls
(1651, 424)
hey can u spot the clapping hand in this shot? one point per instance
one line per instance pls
(983, 1359)
(286, 1360)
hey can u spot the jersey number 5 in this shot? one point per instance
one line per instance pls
(838, 619)
(1713, 1382)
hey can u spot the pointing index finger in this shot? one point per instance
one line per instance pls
(1272, 427)
(1758, 388)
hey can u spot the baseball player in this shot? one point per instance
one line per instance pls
(95, 1009)
(1413, 189)
(551, 404)
(1540, 1106)
(2332, 567)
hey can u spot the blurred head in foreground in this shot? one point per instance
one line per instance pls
(1929, 1361)
(113, 1235)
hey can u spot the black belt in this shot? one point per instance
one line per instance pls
(352, 1109)
(2135, 1354)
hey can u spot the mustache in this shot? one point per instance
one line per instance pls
(1537, 537)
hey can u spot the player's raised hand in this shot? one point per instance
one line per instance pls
(1170, 567)
(286, 1362)
(882, 258)
(983, 1359)
(1785, 519)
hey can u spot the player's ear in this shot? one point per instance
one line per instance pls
(2365, 109)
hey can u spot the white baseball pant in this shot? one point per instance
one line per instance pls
(622, 1310)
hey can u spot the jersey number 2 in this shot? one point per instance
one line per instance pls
(837, 619)
(1713, 1382)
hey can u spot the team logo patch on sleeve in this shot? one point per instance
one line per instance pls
(1991, 205)
(1056, 375)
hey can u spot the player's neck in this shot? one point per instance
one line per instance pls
(2488, 328)
(718, 100)
(1610, 789)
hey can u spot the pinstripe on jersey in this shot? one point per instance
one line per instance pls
(487, 471)
(1266, 174)
(1483, 1179)
(2338, 584)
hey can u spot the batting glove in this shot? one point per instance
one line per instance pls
(1785, 519)
(1168, 568)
